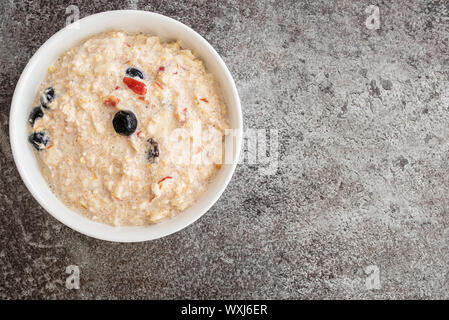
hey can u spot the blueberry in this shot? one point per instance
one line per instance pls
(35, 113)
(124, 122)
(47, 97)
(133, 72)
(154, 150)
(39, 140)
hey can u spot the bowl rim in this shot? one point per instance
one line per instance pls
(21, 165)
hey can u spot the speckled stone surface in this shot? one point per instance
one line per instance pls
(362, 179)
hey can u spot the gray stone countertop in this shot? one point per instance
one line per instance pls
(359, 117)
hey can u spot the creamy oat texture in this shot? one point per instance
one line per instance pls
(108, 177)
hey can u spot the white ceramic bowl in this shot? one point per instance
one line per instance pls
(35, 71)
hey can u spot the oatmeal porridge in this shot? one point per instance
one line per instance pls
(128, 129)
